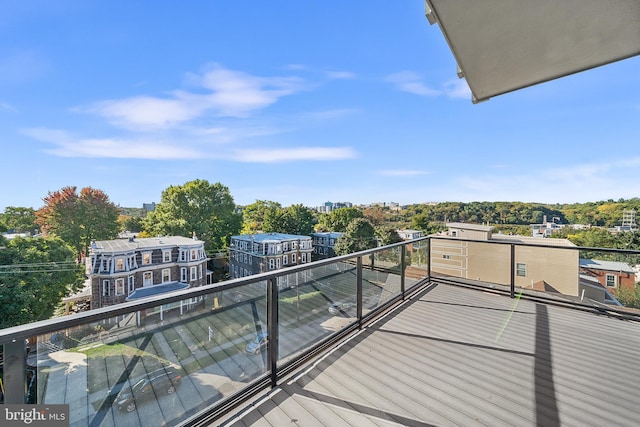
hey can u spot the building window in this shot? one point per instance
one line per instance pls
(611, 281)
(183, 255)
(200, 272)
(278, 262)
(446, 257)
(166, 275)
(119, 286)
(119, 264)
(194, 254)
(147, 278)
(293, 258)
(183, 274)
(132, 285)
(285, 260)
(271, 264)
(194, 273)
(166, 256)
(106, 288)
(454, 233)
(521, 270)
(146, 258)
(304, 257)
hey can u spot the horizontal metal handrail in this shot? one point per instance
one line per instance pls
(54, 324)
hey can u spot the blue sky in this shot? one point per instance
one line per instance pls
(295, 102)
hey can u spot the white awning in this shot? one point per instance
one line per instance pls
(505, 45)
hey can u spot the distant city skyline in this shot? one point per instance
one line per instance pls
(298, 103)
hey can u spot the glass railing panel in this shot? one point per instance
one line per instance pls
(323, 302)
(416, 262)
(156, 366)
(482, 263)
(546, 270)
(610, 279)
(380, 277)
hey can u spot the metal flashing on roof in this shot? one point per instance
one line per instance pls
(505, 45)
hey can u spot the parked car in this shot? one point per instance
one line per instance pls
(156, 383)
(340, 307)
(257, 345)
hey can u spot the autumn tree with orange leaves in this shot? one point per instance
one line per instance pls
(78, 218)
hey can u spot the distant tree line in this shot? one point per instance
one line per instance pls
(70, 219)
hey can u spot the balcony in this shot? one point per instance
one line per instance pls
(398, 335)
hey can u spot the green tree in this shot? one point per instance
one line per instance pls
(359, 236)
(78, 218)
(208, 210)
(295, 219)
(35, 274)
(338, 219)
(21, 220)
(387, 235)
(130, 223)
(253, 215)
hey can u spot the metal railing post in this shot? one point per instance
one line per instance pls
(402, 270)
(359, 291)
(272, 328)
(429, 259)
(15, 365)
(513, 270)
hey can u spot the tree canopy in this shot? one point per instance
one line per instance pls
(338, 219)
(35, 274)
(358, 236)
(199, 207)
(78, 218)
(20, 220)
(253, 215)
(295, 219)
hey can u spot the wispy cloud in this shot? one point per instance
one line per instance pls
(330, 114)
(411, 82)
(65, 145)
(293, 154)
(6, 107)
(571, 183)
(219, 92)
(341, 75)
(401, 172)
(408, 81)
(457, 88)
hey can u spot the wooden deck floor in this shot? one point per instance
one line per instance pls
(453, 356)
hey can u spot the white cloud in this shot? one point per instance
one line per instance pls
(65, 145)
(227, 93)
(340, 75)
(411, 82)
(330, 114)
(293, 154)
(457, 88)
(408, 81)
(577, 183)
(8, 107)
(402, 172)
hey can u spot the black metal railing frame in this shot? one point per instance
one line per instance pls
(15, 351)
(13, 338)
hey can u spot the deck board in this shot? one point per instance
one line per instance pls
(454, 356)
